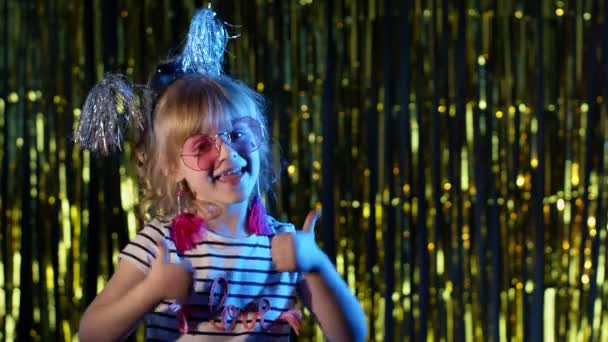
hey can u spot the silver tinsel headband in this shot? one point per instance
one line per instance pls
(114, 105)
(111, 106)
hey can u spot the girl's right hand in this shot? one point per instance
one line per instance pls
(169, 280)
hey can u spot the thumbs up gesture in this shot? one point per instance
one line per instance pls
(298, 251)
(169, 280)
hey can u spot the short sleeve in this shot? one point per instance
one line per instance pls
(142, 249)
(281, 227)
(284, 227)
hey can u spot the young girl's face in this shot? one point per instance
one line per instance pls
(222, 167)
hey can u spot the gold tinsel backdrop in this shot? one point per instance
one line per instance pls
(459, 150)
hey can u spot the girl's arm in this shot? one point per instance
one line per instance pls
(130, 294)
(336, 309)
(115, 312)
(323, 291)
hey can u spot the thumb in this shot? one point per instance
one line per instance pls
(311, 220)
(161, 255)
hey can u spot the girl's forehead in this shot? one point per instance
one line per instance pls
(220, 123)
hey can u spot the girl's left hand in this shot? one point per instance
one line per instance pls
(298, 251)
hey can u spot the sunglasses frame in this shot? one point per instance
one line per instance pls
(248, 119)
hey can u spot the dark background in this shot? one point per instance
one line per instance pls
(458, 149)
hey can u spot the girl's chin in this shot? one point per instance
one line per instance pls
(236, 196)
(239, 197)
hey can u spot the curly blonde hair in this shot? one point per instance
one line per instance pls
(190, 105)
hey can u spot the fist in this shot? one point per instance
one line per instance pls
(169, 280)
(297, 251)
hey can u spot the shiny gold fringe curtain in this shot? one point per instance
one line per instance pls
(458, 148)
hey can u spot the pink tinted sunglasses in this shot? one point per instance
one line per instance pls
(200, 151)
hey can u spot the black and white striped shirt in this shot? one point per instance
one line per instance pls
(243, 275)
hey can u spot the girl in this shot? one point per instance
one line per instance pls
(211, 265)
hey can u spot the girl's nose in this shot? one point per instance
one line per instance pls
(221, 139)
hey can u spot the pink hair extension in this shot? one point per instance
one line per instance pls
(186, 230)
(257, 222)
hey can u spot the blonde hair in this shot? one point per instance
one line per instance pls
(193, 104)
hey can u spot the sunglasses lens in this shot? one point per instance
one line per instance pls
(245, 136)
(205, 161)
(200, 151)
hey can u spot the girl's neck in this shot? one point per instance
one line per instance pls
(229, 221)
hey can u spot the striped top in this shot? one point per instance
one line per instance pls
(238, 271)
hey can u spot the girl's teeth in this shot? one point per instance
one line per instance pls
(230, 173)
